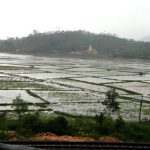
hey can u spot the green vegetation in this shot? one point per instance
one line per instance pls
(110, 102)
(42, 105)
(64, 43)
(58, 125)
(3, 136)
(146, 111)
(36, 96)
(13, 68)
(23, 85)
(122, 89)
(20, 105)
(32, 94)
(30, 124)
(27, 124)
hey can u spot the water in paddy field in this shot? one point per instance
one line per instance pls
(75, 86)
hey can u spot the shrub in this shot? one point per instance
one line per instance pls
(20, 105)
(3, 121)
(100, 118)
(110, 101)
(30, 122)
(119, 125)
(58, 125)
(3, 136)
(106, 127)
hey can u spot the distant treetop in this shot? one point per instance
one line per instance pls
(76, 42)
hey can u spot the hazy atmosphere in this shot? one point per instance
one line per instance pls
(126, 18)
(74, 74)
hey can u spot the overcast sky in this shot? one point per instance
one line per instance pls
(126, 18)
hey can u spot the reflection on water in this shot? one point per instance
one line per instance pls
(92, 77)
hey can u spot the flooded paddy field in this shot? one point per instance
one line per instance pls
(74, 86)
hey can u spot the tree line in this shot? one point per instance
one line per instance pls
(66, 42)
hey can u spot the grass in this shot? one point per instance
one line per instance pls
(122, 89)
(13, 68)
(30, 110)
(23, 85)
(69, 115)
(11, 104)
(31, 123)
(36, 96)
(32, 94)
(42, 105)
(146, 111)
(63, 94)
(70, 96)
(96, 127)
(133, 99)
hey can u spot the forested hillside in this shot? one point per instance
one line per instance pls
(76, 43)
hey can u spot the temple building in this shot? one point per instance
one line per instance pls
(91, 51)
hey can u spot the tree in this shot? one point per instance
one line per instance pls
(20, 105)
(110, 101)
(66, 42)
(58, 125)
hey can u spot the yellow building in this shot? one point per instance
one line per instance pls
(91, 51)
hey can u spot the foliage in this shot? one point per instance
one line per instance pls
(20, 105)
(30, 124)
(105, 128)
(20, 84)
(58, 125)
(100, 118)
(83, 126)
(3, 121)
(32, 94)
(13, 68)
(60, 42)
(110, 101)
(3, 136)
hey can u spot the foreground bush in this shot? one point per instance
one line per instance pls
(4, 136)
(29, 124)
(58, 125)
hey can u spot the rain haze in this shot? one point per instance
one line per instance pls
(126, 18)
(75, 71)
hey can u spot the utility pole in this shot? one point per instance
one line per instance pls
(140, 108)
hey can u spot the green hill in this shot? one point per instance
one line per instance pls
(76, 43)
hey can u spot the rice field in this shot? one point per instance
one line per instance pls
(74, 86)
